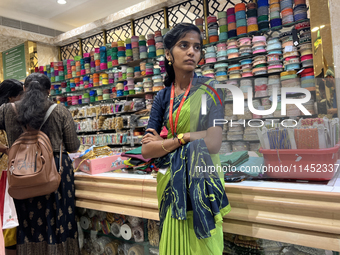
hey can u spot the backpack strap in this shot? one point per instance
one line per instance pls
(48, 113)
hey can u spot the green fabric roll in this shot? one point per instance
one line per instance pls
(223, 28)
(252, 13)
(142, 43)
(262, 18)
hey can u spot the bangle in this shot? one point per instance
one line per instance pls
(164, 148)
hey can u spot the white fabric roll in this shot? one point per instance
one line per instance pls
(126, 232)
(85, 222)
(115, 229)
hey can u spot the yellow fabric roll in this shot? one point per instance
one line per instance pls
(160, 52)
(120, 86)
(287, 73)
(121, 44)
(252, 28)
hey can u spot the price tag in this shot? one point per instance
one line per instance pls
(289, 48)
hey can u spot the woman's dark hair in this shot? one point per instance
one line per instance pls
(170, 40)
(9, 88)
(33, 106)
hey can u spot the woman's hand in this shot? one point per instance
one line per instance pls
(151, 137)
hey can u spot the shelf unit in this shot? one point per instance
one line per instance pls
(145, 244)
(260, 32)
(129, 64)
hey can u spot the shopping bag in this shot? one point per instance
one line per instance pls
(10, 218)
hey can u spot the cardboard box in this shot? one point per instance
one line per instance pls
(101, 165)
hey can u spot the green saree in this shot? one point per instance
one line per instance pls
(191, 204)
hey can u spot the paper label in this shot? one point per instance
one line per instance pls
(289, 48)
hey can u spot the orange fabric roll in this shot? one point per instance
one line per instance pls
(241, 30)
(97, 62)
(231, 26)
(240, 7)
(287, 12)
(213, 38)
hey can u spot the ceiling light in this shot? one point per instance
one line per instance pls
(322, 26)
(315, 29)
(61, 2)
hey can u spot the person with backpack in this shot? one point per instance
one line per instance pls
(39, 136)
(10, 91)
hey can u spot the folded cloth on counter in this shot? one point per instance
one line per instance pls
(253, 166)
(135, 153)
(235, 159)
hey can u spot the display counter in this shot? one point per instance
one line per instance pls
(296, 213)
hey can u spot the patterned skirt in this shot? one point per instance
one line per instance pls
(47, 224)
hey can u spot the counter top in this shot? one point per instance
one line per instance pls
(297, 213)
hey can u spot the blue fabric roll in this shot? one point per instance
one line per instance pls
(275, 23)
(223, 36)
(261, 3)
(240, 15)
(241, 23)
(232, 33)
(128, 46)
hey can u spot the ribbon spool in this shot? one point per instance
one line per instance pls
(85, 222)
(115, 229)
(112, 248)
(138, 234)
(136, 250)
(126, 232)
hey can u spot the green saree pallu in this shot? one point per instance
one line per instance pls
(192, 200)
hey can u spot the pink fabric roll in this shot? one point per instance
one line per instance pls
(274, 67)
(83, 72)
(221, 45)
(259, 39)
(134, 44)
(97, 50)
(252, 21)
(103, 66)
(231, 19)
(259, 51)
(159, 45)
(244, 41)
(211, 75)
(233, 55)
(86, 55)
(248, 74)
(210, 60)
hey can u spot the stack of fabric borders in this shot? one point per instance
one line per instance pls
(241, 21)
(262, 14)
(287, 11)
(231, 23)
(252, 18)
(128, 52)
(135, 47)
(151, 46)
(159, 43)
(275, 17)
(143, 51)
(223, 25)
(212, 29)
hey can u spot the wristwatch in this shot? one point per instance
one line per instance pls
(180, 139)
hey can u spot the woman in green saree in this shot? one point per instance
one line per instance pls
(191, 196)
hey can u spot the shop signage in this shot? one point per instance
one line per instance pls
(14, 63)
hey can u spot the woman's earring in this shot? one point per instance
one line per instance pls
(170, 63)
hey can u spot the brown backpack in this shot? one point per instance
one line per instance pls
(32, 170)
